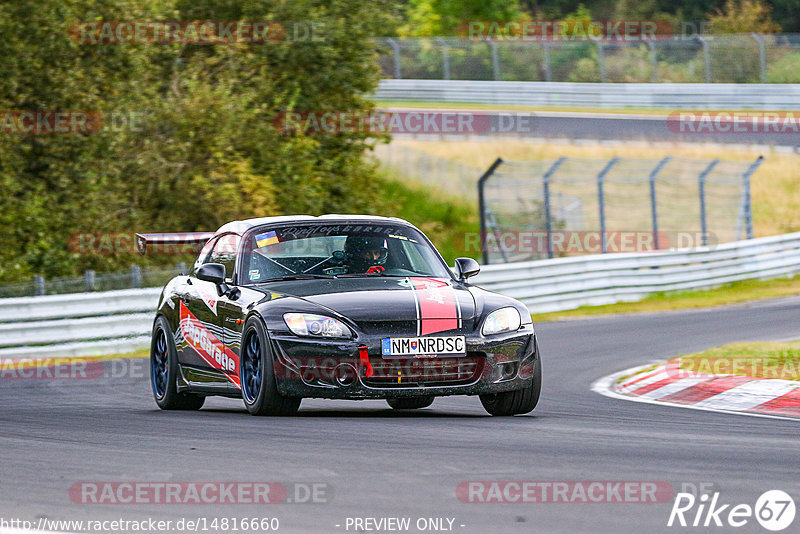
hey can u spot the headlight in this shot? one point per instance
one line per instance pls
(502, 320)
(308, 324)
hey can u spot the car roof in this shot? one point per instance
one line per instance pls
(239, 227)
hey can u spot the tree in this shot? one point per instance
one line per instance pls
(788, 13)
(51, 182)
(204, 148)
(427, 18)
(743, 16)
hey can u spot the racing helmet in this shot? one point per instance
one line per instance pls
(365, 251)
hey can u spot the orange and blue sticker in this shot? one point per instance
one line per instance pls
(267, 238)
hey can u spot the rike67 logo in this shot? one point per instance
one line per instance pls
(774, 510)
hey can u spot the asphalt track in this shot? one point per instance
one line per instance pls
(54, 433)
(624, 127)
(619, 127)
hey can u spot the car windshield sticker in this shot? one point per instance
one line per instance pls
(208, 346)
(266, 239)
(335, 270)
(300, 232)
(254, 274)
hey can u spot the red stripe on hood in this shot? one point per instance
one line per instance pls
(437, 305)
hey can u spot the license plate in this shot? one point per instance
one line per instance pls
(424, 346)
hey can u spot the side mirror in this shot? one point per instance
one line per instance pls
(212, 272)
(466, 267)
(215, 273)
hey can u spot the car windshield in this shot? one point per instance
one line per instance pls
(338, 250)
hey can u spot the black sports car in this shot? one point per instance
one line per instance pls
(339, 307)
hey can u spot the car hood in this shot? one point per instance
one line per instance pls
(438, 304)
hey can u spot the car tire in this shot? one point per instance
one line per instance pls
(164, 371)
(259, 388)
(516, 402)
(411, 403)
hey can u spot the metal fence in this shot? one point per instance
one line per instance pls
(733, 58)
(135, 277)
(571, 206)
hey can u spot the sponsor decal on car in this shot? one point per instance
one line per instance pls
(209, 297)
(208, 346)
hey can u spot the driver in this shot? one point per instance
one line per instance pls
(365, 254)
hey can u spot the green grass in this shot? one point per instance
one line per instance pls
(647, 369)
(732, 293)
(760, 360)
(445, 219)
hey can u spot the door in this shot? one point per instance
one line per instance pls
(210, 363)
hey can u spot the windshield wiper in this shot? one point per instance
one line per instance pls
(301, 276)
(367, 275)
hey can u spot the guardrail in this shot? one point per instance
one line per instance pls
(566, 283)
(85, 324)
(597, 95)
(77, 324)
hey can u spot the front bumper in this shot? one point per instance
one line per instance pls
(339, 370)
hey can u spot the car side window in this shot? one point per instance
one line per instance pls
(206, 250)
(224, 252)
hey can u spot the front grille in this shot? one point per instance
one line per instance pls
(417, 372)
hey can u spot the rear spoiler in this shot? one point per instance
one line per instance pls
(174, 238)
